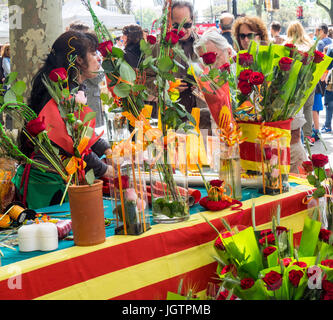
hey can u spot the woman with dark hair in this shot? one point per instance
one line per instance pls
(46, 188)
(246, 29)
(132, 34)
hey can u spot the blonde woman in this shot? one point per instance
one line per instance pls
(303, 120)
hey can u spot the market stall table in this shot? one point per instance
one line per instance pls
(139, 267)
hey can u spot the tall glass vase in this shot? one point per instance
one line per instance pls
(168, 180)
(230, 170)
(274, 171)
(117, 126)
(129, 196)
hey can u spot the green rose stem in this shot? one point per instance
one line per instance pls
(66, 189)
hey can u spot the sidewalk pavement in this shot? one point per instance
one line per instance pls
(318, 146)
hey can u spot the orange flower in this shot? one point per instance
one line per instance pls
(231, 135)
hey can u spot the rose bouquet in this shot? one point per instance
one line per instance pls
(275, 81)
(265, 265)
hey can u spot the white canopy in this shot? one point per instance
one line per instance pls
(74, 10)
(4, 33)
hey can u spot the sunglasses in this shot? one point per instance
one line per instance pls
(186, 25)
(251, 35)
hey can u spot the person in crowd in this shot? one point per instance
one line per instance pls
(275, 33)
(328, 96)
(132, 35)
(322, 34)
(145, 33)
(226, 21)
(5, 54)
(246, 29)
(330, 33)
(213, 41)
(303, 119)
(182, 12)
(92, 88)
(317, 107)
(46, 188)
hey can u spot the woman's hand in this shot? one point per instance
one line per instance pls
(109, 172)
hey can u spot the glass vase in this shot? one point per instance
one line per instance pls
(168, 179)
(230, 170)
(117, 126)
(129, 196)
(274, 171)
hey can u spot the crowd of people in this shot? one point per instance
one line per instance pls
(234, 34)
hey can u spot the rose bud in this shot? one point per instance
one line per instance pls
(247, 283)
(268, 250)
(179, 33)
(225, 67)
(295, 277)
(209, 57)
(105, 48)
(307, 166)
(319, 160)
(59, 73)
(244, 87)
(171, 37)
(273, 280)
(285, 63)
(268, 152)
(151, 39)
(216, 183)
(318, 56)
(245, 59)
(245, 74)
(35, 126)
(257, 78)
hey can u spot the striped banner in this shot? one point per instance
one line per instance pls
(250, 152)
(145, 266)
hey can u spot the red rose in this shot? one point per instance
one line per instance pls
(245, 74)
(328, 263)
(171, 37)
(307, 166)
(246, 283)
(209, 57)
(318, 56)
(226, 269)
(327, 296)
(268, 152)
(300, 264)
(273, 280)
(280, 229)
(59, 73)
(285, 63)
(256, 78)
(327, 285)
(265, 232)
(268, 250)
(286, 261)
(224, 295)
(319, 160)
(244, 87)
(35, 126)
(105, 48)
(216, 183)
(290, 45)
(270, 239)
(151, 39)
(324, 235)
(305, 58)
(124, 182)
(245, 59)
(225, 67)
(218, 244)
(179, 33)
(295, 277)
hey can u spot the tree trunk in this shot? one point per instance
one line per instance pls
(258, 6)
(33, 27)
(328, 10)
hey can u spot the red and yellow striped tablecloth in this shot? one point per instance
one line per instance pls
(145, 266)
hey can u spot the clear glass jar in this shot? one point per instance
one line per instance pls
(116, 126)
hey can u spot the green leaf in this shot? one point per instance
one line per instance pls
(320, 192)
(65, 93)
(10, 96)
(126, 72)
(122, 90)
(11, 78)
(320, 173)
(108, 67)
(89, 116)
(90, 177)
(117, 52)
(312, 179)
(165, 64)
(19, 87)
